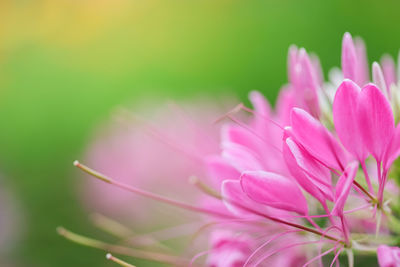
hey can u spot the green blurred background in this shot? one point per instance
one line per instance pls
(64, 65)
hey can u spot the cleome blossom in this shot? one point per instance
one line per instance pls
(308, 183)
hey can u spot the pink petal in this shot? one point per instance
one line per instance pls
(285, 103)
(393, 151)
(260, 103)
(318, 69)
(311, 175)
(362, 61)
(309, 83)
(388, 256)
(345, 118)
(239, 135)
(379, 80)
(376, 120)
(237, 201)
(274, 190)
(240, 157)
(343, 187)
(218, 170)
(292, 64)
(349, 58)
(317, 140)
(389, 70)
(301, 177)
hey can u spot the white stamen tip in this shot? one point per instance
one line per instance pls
(108, 256)
(76, 163)
(60, 230)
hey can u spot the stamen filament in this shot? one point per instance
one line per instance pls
(203, 187)
(194, 208)
(94, 243)
(149, 194)
(373, 199)
(124, 233)
(118, 261)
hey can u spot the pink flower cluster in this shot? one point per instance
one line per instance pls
(311, 178)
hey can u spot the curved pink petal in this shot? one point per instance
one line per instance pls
(284, 105)
(239, 135)
(349, 58)
(345, 118)
(309, 174)
(236, 201)
(362, 61)
(317, 140)
(343, 187)
(376, 120)
(218, 170)
(292, 64)
(389, 70)
(308, 82)
(379, 80)
(274, 190)
(393, 151)
(302, 178)
(260, 103)
(318, 69)
(240, 157)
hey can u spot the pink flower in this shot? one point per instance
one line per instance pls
(324, 154)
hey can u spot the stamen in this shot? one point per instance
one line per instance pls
(277, 220)
(336, 256)
(253, 132)
(274, 237)
(162, 137)
(170, 232)
(320, 256)
(191, 207)
(373, 199)
(124, 233)
(203, 187)
(195, 126)
(148, 255)
(313, 223)
(235, 110)
(110, 226)
(357, 209)
(92, 172)
(118, 261)
(198, 255)
(284, 248)
(225, 222)
(149, 194)
(262, 116)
